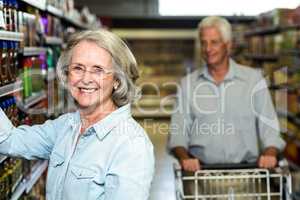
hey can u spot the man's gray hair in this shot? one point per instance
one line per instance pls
(124, 63)
(220, 23)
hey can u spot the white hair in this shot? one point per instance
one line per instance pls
(220, 23)
(124, 63)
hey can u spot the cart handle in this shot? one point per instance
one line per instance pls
(229, 166)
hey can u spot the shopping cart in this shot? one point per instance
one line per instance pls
(233, 182)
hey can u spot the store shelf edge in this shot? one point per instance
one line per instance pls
(54, 11)
(10, 88)
(2, 158)
(36, 3)
(33, 51)
(53, 40)
(74, 23)
(36, 174)
(34, 99)
(11, 36)
(19, 191)
(262, 57)
(271, 30)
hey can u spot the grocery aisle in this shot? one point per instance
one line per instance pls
(163, 187)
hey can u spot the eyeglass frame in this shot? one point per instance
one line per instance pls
(84, 70)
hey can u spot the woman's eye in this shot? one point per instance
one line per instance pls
(98, 69)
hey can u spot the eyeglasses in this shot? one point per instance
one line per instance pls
(78, 70)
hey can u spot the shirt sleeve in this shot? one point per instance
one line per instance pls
(30, 142)
(267, 121)
(131, 172)
(181, 120)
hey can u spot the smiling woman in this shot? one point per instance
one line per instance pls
(99, 151)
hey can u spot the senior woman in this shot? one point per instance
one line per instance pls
(99, 151)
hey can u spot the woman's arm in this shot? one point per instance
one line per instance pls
(30, 142)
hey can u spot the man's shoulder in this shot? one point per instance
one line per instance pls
(248, 72)
(191, 77)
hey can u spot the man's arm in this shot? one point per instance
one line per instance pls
(181, 123)
(186, 161)
(268, 126)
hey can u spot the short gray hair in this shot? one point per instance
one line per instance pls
(220, 23)
(123, 61)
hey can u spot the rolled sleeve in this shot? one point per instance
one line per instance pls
(30, 142)
(5, 127)
(181, 120)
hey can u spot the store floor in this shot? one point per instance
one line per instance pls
(163, 187)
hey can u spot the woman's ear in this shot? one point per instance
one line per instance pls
(116, 85)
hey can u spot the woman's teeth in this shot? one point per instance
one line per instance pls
(87, 90)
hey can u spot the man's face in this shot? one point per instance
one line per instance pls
(214, 50)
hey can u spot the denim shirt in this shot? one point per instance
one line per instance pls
(113, 159)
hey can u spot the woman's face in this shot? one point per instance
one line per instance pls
(90, 77)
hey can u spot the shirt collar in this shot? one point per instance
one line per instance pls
(103, 127)
(234, 72)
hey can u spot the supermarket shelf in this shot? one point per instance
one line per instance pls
(158, 114)
(294, 165)
(27, 184)
(2, 158)
(40, 4)
(53, 40)
(285, 86)
(74, 23)
(55, 11)
(156, 34)
(262, 57)
(33, 51)
(19, 191)
(292, 136)
(38, 170)
(30, 101)
(263, 31)
(11, 88)
(271, 30)
(12, 36)
(290, 116)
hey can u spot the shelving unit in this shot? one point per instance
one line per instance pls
(276, 52)
(2, 158)
(33, 51)
(11, 88)
(44, 93)
(39, 4)
(270, 30)
(55, 11)
(27, 183)
(34, 99)
(53, 40)
(261, 57)
(42, 6)
(12, 36)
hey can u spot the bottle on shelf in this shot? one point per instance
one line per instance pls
(2, 21)
(9, 61)
(3, 66)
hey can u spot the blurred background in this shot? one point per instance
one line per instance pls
(162, 35)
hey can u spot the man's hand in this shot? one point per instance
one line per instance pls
(187, 163)
(268, 159)
(190, 164)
